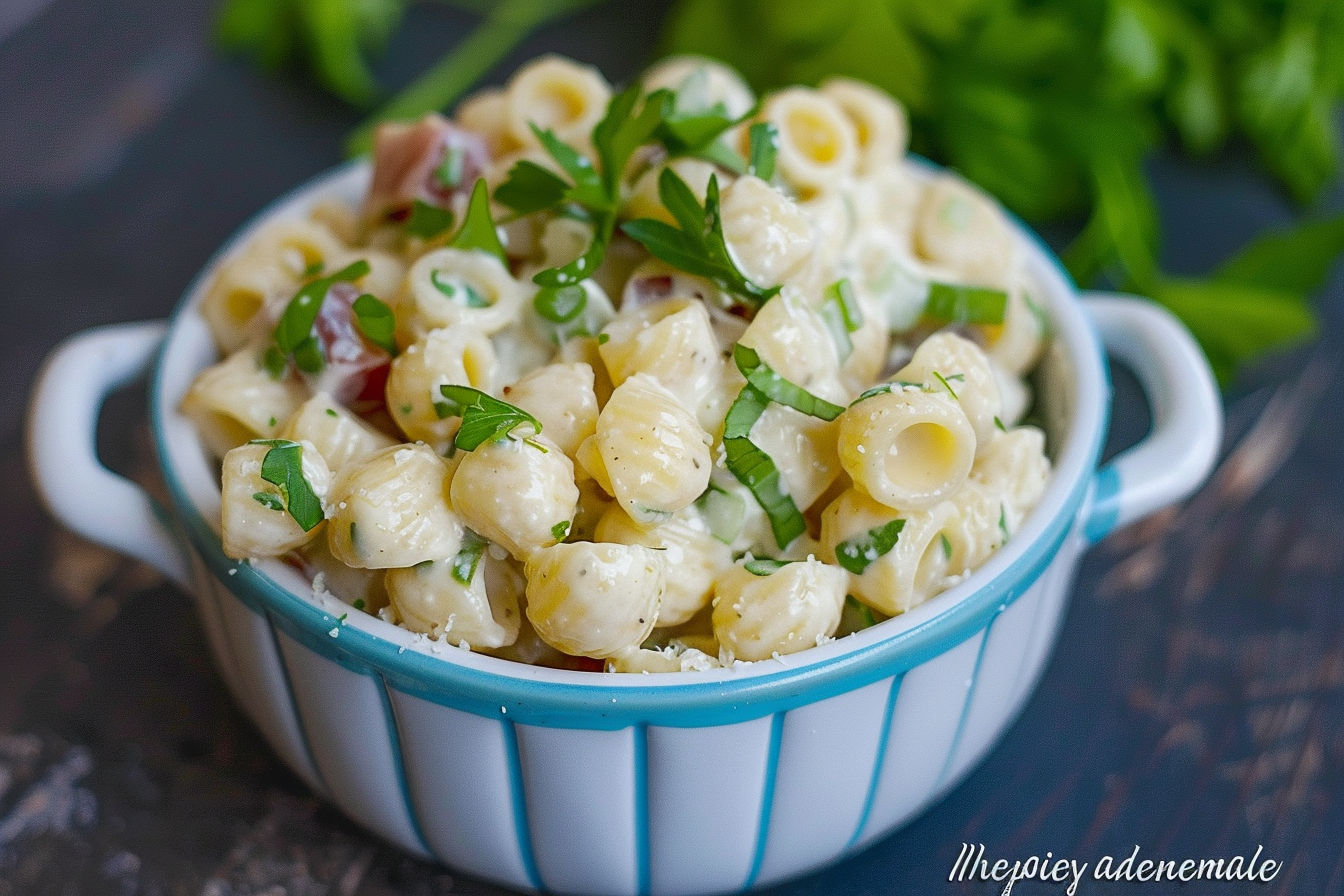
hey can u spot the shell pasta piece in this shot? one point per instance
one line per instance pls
(253, 510)
(792, 608)
(432, 598)
(519, 493)
(594, 599)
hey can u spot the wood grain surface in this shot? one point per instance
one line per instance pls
(1194, 707)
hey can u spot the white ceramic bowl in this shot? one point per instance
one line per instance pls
(627, 784)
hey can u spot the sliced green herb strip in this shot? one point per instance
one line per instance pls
(456, 291)
(359, 603)
(294, 331)
(764, 566)
(373, 318)
(723, 512)
(946, 385)
(762, 146)
(779, 390)
(314, 268)
(856, 554)
(283, 467)
(857, 616)
(484, 417)
(560, 304)
(697, 245)
(755, 469)
(478, 228)
(468, 557)
(965, 304)
(1003, 521)
(269, 501)
(428, 221)
(449, 172)
(947, 545)
(999, 424)
(842, 315)
(331, 412)
(560, 529)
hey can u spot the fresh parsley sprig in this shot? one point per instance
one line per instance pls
(484, 417)
(282, 466)
(697, 245)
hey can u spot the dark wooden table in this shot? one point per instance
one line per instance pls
(1194, 707)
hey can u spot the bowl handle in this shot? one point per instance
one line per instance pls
(78, 490)
(1177, 456)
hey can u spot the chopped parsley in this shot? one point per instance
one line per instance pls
(478, 228)
(468, 557)
(293, 338)
(762, 146)
(858, 553)
(484, 417)
(697, 245)
(282, 466)
(560, 530)
(374, 320)
(428, 221)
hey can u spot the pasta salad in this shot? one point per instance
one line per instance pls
(653, 379)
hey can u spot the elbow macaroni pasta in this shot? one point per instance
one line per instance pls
(647, 467)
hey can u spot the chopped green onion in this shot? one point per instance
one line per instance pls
(468, 556)
(999, 424)
(560, 304)
(269, 501)
(484, 417)
(331, 412)
(965, 304)
(723, 511)
(282, 466)
(856, 554)
(374, 320)
(947, 545)
(560, 530)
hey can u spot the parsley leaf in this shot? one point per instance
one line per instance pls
(374, 320)
(858, 553)
(428, 221)
(762, 147)
(468, 557)
(478, 228)
(294, 338)
(484, 417)
(282, 466)
(697, 246)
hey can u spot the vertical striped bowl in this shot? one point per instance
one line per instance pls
(572, 782)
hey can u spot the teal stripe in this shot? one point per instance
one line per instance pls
(643, 860)
(399, 765)
(966, 706)
(767, 798)
(1105, 504)
(884, 738)
(293, 704)
(518, 800)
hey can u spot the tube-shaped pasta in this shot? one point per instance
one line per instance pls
(555, 94)
(339, 436)
(906, 448)
(675, 657)
(485, 113)
(448, 355)
(803, 449)
(252, 510)
(881, 129)
(1016, 344)
(916, 567)
(950, 363)
(795, 607)
(650, 449)
(391, 510)
(594, 599)
(818, 147)
(1015, 465)
(701, 83)
(237, 399)
(518, 493)
(792, 338)
(269, 269)
(432, 598)
(458, 288)
(960, 228)
(670, 340)
(561, 396)
(690, 550)
(768, 236)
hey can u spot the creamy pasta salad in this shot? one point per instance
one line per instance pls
(652, 379)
